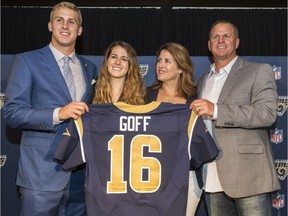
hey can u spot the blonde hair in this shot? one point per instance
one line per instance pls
(134, 89)
(186, 85)
(68, 5)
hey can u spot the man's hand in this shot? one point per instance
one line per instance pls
(72, 110)
(202, 107)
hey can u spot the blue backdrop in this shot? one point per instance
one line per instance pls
(10, 138)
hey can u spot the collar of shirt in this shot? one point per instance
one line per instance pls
(58, 55)
(225, 69)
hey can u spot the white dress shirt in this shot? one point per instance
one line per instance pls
(212, 88)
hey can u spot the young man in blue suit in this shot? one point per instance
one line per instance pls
(239, 103)
(38, 101)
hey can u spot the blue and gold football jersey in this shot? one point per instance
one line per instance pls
(137, 157)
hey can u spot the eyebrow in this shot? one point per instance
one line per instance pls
(61, 17)
(118, 55)
(216, 34)
(166, 58)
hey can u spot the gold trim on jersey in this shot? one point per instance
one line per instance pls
(191, 125)
(192, 120)
(67, 133)
(79, 124)
(137, 108)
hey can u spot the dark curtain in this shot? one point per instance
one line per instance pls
(263, 32)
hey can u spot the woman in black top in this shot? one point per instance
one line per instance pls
(175, 84)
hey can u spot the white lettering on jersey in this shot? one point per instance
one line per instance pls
(133, 123)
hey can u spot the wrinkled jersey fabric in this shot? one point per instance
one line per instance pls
(137, 157)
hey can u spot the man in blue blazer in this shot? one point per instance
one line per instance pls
(38, 101)
(239, 104)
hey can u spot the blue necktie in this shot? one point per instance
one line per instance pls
(68, 76)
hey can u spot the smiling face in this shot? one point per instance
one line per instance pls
(167, 68)
(223, 42)
(65, 29)
(118, 63)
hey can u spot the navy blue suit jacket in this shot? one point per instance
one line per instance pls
(35, 88)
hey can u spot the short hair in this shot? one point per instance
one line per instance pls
(68, 5)
(236, 32)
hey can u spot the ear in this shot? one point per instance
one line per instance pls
(237, 43)
(80, 30)
(50, 26)
(209, 46)
(180, 71)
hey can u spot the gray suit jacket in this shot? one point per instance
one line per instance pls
(35, 88)
(247, 106)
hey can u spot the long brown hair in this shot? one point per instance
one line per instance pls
(134, 89)
(186, 85)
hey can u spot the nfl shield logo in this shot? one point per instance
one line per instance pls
(277, 72)
(276, 136)
(278, 200)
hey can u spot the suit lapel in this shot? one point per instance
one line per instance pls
(54, 69)
(86, 77)
(231, 79)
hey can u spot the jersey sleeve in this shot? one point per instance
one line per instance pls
(203, 148)
(69, 150)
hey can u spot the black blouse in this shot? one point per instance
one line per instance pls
(151, 95)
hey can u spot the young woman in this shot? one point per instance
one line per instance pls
(119, 78)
